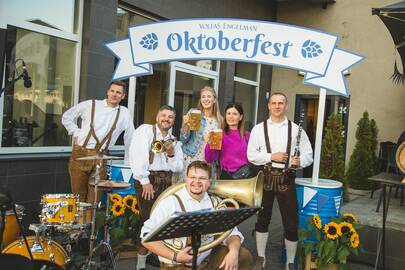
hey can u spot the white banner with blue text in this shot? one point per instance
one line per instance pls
(310, 51)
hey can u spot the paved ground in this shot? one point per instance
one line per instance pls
(274, 245)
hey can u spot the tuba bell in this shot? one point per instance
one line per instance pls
(400, 158)
(247, 191)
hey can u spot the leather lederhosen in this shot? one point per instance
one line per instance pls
(277, 178)
(82, 170)
(280, 184)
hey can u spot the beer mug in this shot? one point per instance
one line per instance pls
(216, 139)
(195, 119)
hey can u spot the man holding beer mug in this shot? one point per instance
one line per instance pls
(153, 169)
(272, 144)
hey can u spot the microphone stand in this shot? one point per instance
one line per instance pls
(22, 232)
(12, 82)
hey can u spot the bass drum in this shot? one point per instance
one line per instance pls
(46, 253)
(11, 228)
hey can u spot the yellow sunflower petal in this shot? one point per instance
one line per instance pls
(115, 197)
(351, 216)
(354, 240)
(118, 209)
(317, 222)
(332, 230)
(128, 201)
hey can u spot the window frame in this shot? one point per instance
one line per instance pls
(256, 84)
(7, 21)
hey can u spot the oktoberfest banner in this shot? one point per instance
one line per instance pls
(307, 50)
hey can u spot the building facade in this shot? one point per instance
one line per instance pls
(62, 45)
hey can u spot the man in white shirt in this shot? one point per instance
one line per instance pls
(194, 197)
(102, 121)
(272, 144)
(153, 171)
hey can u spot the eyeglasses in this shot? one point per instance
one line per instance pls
(199, 179)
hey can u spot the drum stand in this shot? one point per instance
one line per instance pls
(106, 237)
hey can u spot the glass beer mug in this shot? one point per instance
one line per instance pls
(195, 119)
(216, 139)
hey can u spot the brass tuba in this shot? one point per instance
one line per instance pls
(400, 158)
(247, 191)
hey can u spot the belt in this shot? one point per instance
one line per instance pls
(170, 266)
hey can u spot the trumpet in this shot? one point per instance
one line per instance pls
(158, 146)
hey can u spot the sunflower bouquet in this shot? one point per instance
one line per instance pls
(331, 243)
(124, 221)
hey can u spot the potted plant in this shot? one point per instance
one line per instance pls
(124, 223)
(327, 246)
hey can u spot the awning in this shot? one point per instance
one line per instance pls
(393, 16)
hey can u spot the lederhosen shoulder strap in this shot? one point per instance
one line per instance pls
(107, 138)
(91, 131)
(151, 154)
(267, 139)
(180, 202)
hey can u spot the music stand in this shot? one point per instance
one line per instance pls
(197, 223)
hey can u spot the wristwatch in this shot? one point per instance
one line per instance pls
(174, 260)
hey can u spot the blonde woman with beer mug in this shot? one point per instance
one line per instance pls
(231, 151)
(197, 125)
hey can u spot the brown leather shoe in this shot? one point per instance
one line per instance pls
(259, 263)
(290, 266)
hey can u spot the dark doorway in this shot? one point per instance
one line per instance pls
(308, 104)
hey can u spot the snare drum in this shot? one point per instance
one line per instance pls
(46, 250)
(11, 228)
(59, 209)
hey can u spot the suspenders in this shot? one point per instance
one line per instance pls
(275, 179)
(92, 133)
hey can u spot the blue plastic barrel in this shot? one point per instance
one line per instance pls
(324, 198)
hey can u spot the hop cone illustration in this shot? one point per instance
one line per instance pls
(310, 49)
(149, 41)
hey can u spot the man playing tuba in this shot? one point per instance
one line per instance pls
(194, 197)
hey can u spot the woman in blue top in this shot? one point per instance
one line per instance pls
(193, 142)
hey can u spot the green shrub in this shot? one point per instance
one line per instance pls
(363, 161)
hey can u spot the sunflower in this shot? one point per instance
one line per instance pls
(115, 197)
(118, 209)
(351, 217)
(354, 240)
(134, 206)
(346, 227)
(317, 221)
(332, 230)
(128, 201)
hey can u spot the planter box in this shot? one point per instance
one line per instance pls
(311, 265)
(126, 250)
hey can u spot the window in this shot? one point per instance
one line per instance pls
(247, 78)
(43, 35)
(146, 93)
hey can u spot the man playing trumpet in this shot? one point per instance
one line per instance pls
(194, 197)
(152, 168)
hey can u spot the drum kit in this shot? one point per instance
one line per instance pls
(61, 214)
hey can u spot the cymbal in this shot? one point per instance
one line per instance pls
(99, 156)
(108, 184)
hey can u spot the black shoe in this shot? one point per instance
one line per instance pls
(153, 260)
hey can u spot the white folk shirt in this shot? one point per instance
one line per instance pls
(104, 117)
(170, 205)
(139, 154)
(278, 133)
